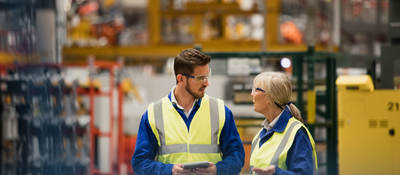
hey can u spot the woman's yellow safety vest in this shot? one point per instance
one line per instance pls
(274, 151)
(178, 145)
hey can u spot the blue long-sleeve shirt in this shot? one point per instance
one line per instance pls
(143, 160)
(300, 155)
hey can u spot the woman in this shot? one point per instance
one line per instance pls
(283, 145)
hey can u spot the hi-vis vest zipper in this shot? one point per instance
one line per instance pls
(176, 143)
(274, 151)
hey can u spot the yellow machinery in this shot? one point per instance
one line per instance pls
(369, 127)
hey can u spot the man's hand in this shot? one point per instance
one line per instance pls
(265, 171)
(178, 170)
(211, 170)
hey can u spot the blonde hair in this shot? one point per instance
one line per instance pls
(279, 87)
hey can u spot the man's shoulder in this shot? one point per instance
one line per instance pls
(157, 101)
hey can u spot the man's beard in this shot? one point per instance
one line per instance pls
(187, 87)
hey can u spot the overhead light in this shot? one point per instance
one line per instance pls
(286, 63)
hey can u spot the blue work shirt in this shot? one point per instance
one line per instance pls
(143, 160)
(300, 155)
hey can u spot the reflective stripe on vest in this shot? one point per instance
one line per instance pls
(215, 111)
(281, 146)
(290, 132)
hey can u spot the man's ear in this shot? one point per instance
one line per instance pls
(179, 78)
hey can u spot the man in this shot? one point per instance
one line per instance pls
(188, 126)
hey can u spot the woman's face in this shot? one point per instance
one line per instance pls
(261, 99)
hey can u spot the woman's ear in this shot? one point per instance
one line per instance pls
(268, 99)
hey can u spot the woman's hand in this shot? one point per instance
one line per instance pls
(265, 171)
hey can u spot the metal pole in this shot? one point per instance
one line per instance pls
(111, 131)
(336, 23)
(298, 69)
(264, 40)
(310, 86)
(331, 111)
(92, 128)
(121, 146)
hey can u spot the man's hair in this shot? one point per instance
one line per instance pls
(188, 59)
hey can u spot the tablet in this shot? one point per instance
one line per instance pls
(193, 165)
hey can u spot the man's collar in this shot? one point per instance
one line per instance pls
(173, 100)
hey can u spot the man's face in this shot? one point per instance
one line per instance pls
(197, 83)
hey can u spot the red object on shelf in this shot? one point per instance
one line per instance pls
(291, 32)
(88, 8)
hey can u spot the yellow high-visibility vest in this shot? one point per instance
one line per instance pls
(176, 143)
(274, 151)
